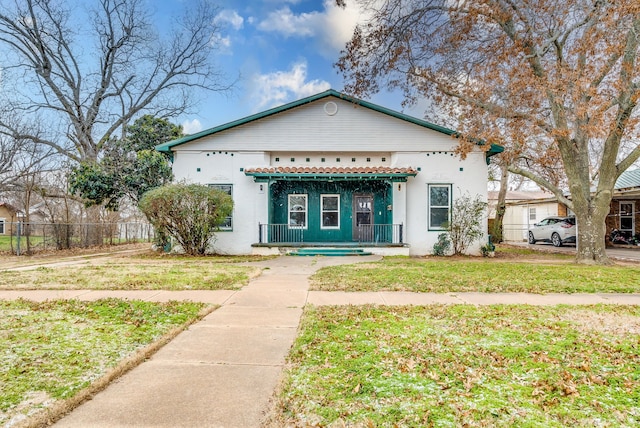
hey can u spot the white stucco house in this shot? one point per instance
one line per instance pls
(330, 170)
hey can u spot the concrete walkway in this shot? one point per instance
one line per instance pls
(222, 371)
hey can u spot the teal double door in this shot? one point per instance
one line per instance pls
(331, 211)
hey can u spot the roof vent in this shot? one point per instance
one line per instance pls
(331, 108)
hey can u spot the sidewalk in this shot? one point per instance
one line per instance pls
(222, 371)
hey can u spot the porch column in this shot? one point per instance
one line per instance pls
(399, 201)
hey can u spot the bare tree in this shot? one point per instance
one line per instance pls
(20, 158)
(88, 76)
(556, 81)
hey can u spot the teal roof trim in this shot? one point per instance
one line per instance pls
(493, 150)
(168, 146)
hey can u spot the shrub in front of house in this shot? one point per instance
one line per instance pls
(189, 213)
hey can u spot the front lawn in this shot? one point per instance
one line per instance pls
(136, 273)
(463, 365)
(550, 274)
(52, 351)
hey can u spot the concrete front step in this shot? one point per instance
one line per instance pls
(328, 251)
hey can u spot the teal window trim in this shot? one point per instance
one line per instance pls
(227, 225)
(329, 214)
(435, 204)
(298, 203)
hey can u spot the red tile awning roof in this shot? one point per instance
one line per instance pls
(331, 172)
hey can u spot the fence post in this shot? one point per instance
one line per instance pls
(18, 234)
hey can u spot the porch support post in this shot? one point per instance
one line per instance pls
(399, 203)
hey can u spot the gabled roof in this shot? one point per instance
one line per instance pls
(628, 179)
(168, 146)
(8, 206)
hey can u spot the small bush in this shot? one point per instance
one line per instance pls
(466, 222)
(442, 247)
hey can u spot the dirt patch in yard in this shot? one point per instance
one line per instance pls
(617, 324)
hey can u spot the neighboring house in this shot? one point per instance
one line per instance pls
(524, 209)
(329, 170)
(624, 213)
(8, 216)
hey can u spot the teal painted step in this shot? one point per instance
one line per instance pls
(330, 252)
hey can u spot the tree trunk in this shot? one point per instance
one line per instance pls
(591, 208)
(94, 233)
(591, 230)
(497, 231)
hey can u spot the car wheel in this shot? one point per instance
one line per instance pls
(532, 240)
(555, 239)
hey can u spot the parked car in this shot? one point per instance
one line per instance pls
(557, 230)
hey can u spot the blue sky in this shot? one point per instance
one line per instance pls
(282, 50)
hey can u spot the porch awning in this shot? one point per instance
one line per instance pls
(331, 173)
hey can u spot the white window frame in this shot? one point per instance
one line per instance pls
(532, 214)
(430, 207)
(306, 210)
(227, 188)
(632, 216)
(322, 211)
(3, 225)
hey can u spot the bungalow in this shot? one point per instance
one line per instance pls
(330, 170)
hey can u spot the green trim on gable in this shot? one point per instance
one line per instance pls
(168, 146)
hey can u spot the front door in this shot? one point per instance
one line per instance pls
(363, 218)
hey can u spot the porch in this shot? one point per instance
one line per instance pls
(367, 234)
(379, 239)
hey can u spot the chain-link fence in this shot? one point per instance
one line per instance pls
(25, 238)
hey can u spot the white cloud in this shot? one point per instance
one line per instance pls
(332, 27)
(285, 22)
(221, 43)
(340, 23)
(191, 126)
(280, 87)
(231, 17)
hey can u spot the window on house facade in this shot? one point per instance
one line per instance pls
(532, 214)
(298, 211)
(627, 217)
(330, 211)
(1, 226)
(439, 206)
(227, 224)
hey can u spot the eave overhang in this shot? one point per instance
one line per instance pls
(330, 174)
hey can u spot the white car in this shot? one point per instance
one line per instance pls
(557, 230)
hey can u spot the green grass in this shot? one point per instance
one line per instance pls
(6, 240)
(463, 365)
(50, 351)
(135, 274)
(442, 275)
